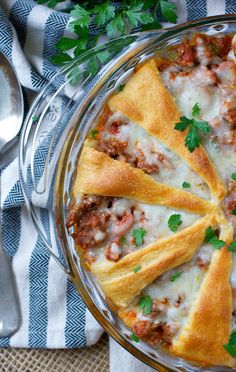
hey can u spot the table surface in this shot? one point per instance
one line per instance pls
(90, 359)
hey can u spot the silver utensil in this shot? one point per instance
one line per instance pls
(11, 117)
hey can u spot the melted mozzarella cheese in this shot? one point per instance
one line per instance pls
(174, 171)
(187, 286)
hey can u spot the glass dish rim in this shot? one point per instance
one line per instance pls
(76, 279)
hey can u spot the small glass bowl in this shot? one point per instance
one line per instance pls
(51, 141)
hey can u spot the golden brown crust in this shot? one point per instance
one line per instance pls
(154, 259)
(98, 174)
(147, 102)
(209, 325)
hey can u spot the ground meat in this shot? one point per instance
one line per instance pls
(90, 230)
(87, 202)
(90, 224)
(159, 307)
(180, 300)
(113, 251)
(115, 127)
(221, 45)
(186, 53)
(155, 333)
(112, 147)
(202, 264)
(121, 225)
(142, 163)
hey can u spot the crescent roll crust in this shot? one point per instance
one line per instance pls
(98, 174)
(154, 259)
(209, 325)
(158, 114)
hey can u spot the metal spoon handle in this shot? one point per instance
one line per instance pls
(10, 316)
(9, 304)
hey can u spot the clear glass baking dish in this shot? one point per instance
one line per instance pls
(51, 140)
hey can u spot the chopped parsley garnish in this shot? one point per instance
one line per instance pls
(195, 127)
(174, 222)
(121, 87)
(35, 118)
(186, 185)
(136, 269)
(233, 176)
(231, 346)
(211, 238)
(196, 109)
(134, 337)
(138, 235)
(145, 304)
(232, 247)
(123, 240)
(93, 133)
(234, 211)
(176, 276)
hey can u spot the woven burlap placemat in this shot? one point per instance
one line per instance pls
(90, 359)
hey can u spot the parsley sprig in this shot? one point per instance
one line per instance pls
(176, 276)
(138, 235)
(231, 346)
(195, 128)
(212, 238)
(112, 21)
(174, 222)
(145, 304)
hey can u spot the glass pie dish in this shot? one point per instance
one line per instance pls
(51, 141)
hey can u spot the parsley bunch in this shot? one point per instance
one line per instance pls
(195, 127)
(111, 21)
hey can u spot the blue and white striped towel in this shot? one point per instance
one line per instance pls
(53, 314)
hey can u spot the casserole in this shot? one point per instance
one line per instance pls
(61, 160)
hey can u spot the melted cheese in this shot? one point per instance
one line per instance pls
(174, 171)
(187, 286)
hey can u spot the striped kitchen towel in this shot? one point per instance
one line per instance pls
(53, 314)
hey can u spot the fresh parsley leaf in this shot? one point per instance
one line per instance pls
(186, 185)
(121, 87)
(152, 26)
(211, 238)
(232, 247)
(59, 59)
(123, 240)
(234, 211)
(183, 124)
(93, 133)
(134, 337)
(193, 139)
(196, 110)
(93, 66)
(82, 17)
(202, 125)
(231, 346)
(65, 43)
(233, 176)
(50, 3)
(136, 15)
(168, 11)
(136, 269)
(104, 13)
(116, 26)
(145, 304)
(176, 276)
(174, 222)
(138, 235)
(35, 118)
